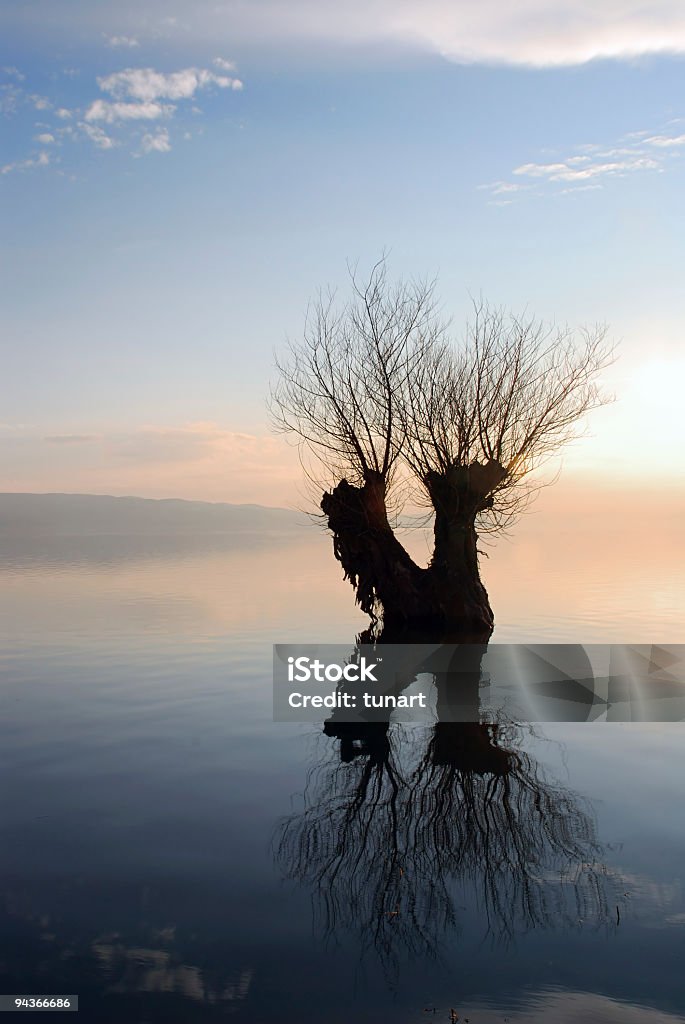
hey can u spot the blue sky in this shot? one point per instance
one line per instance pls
(178, 179)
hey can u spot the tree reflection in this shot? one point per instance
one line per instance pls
(404, 829)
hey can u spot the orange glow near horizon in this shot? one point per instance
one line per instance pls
(640, 437)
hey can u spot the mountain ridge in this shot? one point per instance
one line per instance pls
(66, 513)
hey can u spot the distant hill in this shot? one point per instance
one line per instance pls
(62, 515)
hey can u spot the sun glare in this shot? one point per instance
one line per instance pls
(657, 385)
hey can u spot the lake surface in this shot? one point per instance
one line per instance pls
(169, 853)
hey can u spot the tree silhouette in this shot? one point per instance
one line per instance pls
(389, 407)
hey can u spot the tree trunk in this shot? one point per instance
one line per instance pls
(387, 581)
(458, 495)
(447, 600)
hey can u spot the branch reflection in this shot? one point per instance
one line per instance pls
(406, 833)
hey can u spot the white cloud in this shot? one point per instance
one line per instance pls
(125, 42)
(148, 85)
(540, 33)
(137, 93)
(565, 172)
(505, 186)
(42, 160)
(102, 110)
(579, 188)
(134, 99)
(10, 98)
(157, 143)
(97, 135)
(665, 141)
(225, 65)
(636, 151)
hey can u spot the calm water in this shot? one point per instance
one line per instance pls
(170, 854)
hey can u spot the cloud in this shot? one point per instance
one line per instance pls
(225, 65)
(102, 110)
(132, 99)
(97, 135)
(193, 460)
(42, 160)
(158, 143)
(538, 33)
(566, 172)
(149, 85)
(498, 187)
(125, 42)
(579, 188)
(70, 438)
(592, 163)
(190, 442)
(665, 141)
(10, 98)
(137, 94)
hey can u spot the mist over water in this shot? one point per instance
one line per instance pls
(169, 853)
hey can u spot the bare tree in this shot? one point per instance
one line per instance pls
(381, 397)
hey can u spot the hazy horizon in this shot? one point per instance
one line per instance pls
(592, 490)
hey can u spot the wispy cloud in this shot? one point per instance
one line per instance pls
(41, 160)
(133, 97)
(665, 141)
(123, 42)
(103, 110)
(497, 188)
(10, 95)
(198, 459)
(70, 438)
(225, 65)
(156, 143)
(148, 85)
(98, 136)
(567, 171)
(590, 166)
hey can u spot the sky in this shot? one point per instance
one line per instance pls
(177, 179)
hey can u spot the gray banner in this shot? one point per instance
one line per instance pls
(25, 1002)
(425, 683)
